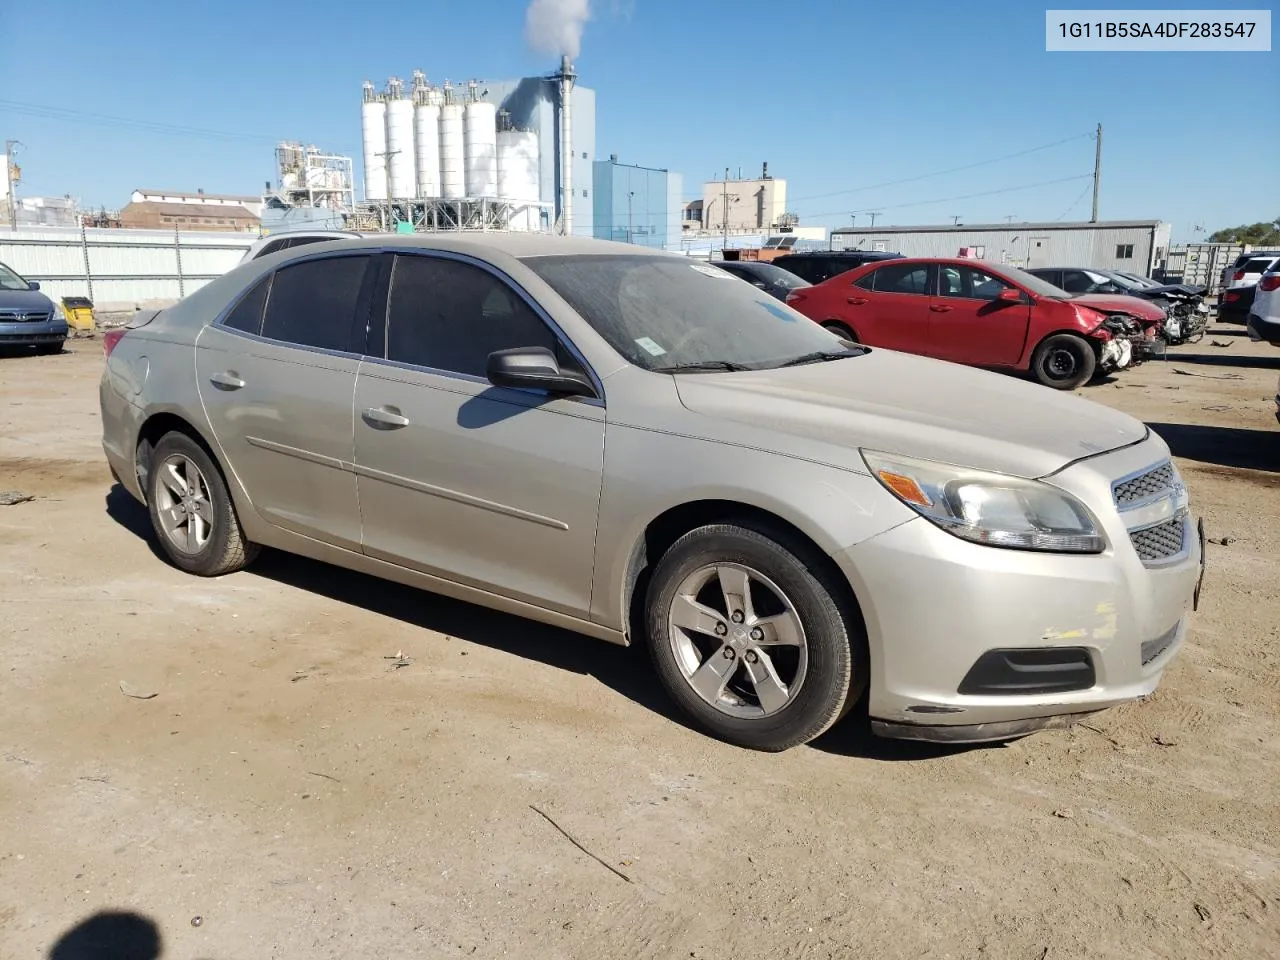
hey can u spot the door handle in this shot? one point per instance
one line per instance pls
(856, 301)
(940, 308)
(384, 418)
(226, 381)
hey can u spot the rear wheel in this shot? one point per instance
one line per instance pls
(1063, 361)
(749, 639)
(840, 330)
(191, 510)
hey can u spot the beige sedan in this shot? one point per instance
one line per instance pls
(642, 448)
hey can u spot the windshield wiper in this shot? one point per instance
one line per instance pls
(820, 356)
(701, 365)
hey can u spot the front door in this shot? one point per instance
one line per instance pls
(492, 487)
(276, 377)
(968, 323)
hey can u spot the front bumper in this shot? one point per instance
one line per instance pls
(935, 604)
(27, 334)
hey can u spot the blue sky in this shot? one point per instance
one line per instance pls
(839, 98)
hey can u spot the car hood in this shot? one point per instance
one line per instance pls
(1175, 289)
(25, 300)
(913, 406)
(1119, 303)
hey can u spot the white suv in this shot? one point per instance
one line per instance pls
(1264, 315)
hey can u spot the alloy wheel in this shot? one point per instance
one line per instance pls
(737, 640)
(183, 505)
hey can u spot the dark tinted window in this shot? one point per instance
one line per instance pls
(275, 246)
(247, 314)
(303, 241)
(451, 315)
(1258, 265)
(314, 303)
(902, 278)
(1077, 281)
(968, 283)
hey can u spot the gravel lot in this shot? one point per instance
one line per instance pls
(305, 797)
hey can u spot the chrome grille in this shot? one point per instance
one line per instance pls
(1150, 484)
(23, 316)
(1162, 541)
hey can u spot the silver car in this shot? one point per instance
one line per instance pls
(641, 448)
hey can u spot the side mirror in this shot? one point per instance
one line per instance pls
(535, 368)
(33, 285)
(1010, 295)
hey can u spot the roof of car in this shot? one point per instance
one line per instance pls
(517, 245)
(865, 254)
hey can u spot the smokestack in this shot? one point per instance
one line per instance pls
(566, 78)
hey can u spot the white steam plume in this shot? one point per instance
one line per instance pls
(555, 26)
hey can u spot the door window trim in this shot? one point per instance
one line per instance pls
(363, 302)
(383, 299)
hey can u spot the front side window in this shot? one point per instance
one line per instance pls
(663, 312)
(313, 304)
(450, 315)
(902, 278)
(968, 283)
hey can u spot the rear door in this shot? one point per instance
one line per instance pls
(968, 323)
(889, 307)
(276, 376)
(492, 487)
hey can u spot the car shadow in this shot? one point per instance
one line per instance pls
(1226, 360)
(626, 670)
(110, 935)
(1223, 446)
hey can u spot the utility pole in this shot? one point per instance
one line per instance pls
(1097, 173)
(853, 221)
(873, 214)
(955, 219)
(1008, 217)
(630, 233)
(8, 182)
(386, 156)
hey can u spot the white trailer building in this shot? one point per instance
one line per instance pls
(1140, 246)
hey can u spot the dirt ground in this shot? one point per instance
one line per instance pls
(304, 797)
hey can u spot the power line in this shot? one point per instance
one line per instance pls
(939, 173)
(1076, 201)
(966, 196)
(148, 126)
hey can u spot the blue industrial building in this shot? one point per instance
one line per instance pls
(634, 204)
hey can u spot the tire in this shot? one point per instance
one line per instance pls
(790, 692)
(840, 330)
(48, 349)
(191, 510)
(1063, 362)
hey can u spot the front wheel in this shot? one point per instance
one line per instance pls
(191, 510)
(748, 639)
(1063, 362)
(840, 330)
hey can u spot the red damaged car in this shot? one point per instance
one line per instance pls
(985, 315)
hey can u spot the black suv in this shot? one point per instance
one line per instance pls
(819, 266)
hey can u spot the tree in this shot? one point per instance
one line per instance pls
(1255, 234)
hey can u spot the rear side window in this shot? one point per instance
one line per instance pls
(303, 241)
(313, 304)
(1259, 265)
(275, 246)
(247, 314)
(902, 278)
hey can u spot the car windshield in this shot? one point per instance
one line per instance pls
(11, 281)
(665, 313)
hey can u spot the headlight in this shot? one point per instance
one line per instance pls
(989, 508)
(58, 312)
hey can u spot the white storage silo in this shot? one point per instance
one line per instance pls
(373, 114)
(426, 134)
(480, 143)
(452, 181)
(401, 169)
